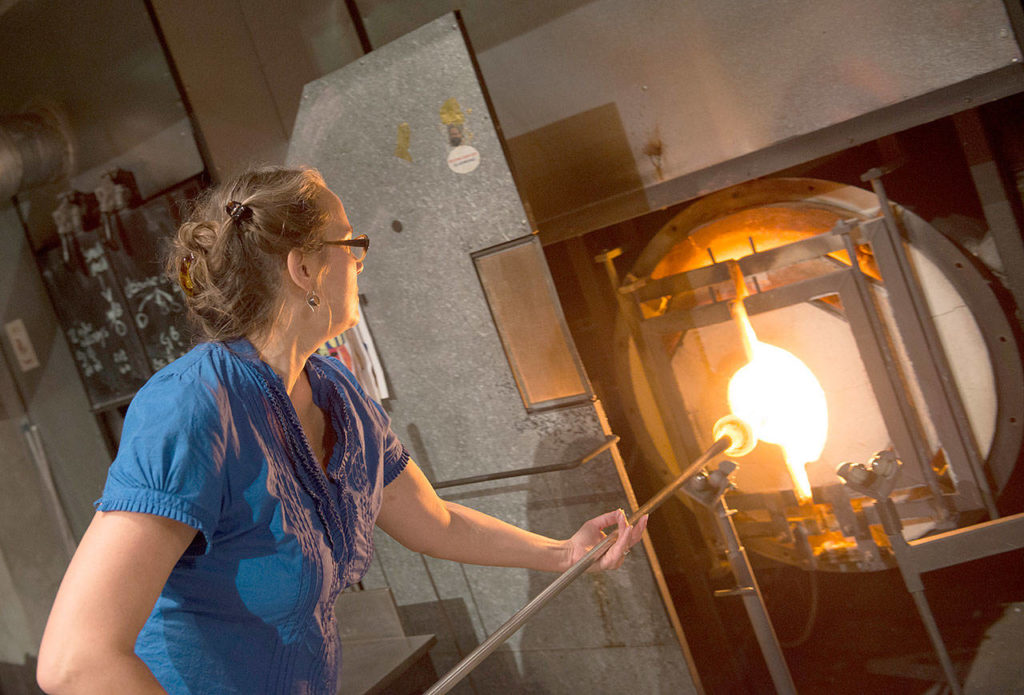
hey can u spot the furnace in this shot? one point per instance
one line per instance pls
(873, 333)
(894, 362)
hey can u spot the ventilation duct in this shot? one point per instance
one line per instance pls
(34, 149)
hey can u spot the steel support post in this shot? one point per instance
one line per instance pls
(912, 579)
(753, 602)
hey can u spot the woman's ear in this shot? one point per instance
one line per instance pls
(299, 269)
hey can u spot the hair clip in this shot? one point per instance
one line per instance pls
(238, 212)
(185, 275)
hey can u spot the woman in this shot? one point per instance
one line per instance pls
(251, 472)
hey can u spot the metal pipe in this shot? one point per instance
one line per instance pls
(473, 659)
(37, 451)
(533, 470)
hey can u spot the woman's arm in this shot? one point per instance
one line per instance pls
(106, 596)
(416, 517)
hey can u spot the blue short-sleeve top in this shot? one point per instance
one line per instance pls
(212, 441)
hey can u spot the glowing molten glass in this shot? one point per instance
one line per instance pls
(784, 404)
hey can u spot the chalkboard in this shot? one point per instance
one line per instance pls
(156, 304)
(100, 333)
(122, 318)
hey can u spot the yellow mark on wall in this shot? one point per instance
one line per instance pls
(451, 113)
(402, 142)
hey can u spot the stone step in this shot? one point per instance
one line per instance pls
(369, 614)
(394, 665)
(376, 655)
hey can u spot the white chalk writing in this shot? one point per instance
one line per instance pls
(134, 287)
(122, 362)
(173, 347)
(95, 259)
(88, 362)
(152, 291)
(114, 312)
(84, 336)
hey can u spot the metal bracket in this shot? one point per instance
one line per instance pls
(876, 480)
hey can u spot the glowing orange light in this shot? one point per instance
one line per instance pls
(781, 400)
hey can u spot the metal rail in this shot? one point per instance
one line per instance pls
(473, 659)
(533, 470)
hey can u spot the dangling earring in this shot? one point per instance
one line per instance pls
(312, 300)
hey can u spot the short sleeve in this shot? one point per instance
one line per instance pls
(395, 459)
(171, 459)
(394, 454)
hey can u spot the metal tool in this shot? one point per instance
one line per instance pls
(733, 437)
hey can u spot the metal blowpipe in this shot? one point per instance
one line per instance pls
(733, 436)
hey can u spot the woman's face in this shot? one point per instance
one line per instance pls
(338, 287)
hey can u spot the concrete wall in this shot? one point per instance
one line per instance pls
(33, 549)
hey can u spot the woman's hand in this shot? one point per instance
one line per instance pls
(590, 534)
(413, 515)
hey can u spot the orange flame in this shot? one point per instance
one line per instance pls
(781, 399)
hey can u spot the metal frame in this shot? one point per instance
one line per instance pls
(917, 557)
(681, 439)
(851, 287)
(924, 348)
(927, 360)
(997, 333)
(972, 281)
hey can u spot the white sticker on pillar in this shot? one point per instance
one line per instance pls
(463, 159)
(22, 346)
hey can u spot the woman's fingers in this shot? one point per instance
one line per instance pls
(627, 539)
(627, 536)
(638, 530)
(615, 555)
(599, 522)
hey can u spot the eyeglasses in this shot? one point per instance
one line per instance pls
(357, 246)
